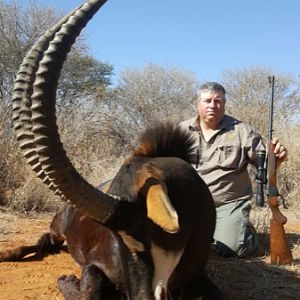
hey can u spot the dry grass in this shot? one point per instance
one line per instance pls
(256, 278)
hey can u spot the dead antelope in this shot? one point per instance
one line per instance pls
(148, 236)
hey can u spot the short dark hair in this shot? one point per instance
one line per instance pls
(211, 86)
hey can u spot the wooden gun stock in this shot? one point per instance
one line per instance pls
(279, 248)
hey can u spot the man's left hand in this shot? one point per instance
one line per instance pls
(279, 151)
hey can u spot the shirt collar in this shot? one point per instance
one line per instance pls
(226, 122)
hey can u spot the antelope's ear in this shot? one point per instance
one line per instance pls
(160, 209)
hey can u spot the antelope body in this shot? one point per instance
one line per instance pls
(148, 235)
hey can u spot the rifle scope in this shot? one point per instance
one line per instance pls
(260, 177)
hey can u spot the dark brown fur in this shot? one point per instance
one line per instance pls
(111, 270)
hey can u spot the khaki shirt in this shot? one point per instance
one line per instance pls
(223, 159)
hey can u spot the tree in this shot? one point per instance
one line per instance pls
(20, 27)
(249, 95)
(144, 97)
(83, 78)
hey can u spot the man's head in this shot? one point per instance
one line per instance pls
(211, 104)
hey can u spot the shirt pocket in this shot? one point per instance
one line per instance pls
(229, 156)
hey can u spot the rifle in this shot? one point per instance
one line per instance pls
(279, 249)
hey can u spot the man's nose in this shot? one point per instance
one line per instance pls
(213, 103)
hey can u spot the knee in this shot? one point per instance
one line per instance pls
(248, 247)
(223, 250)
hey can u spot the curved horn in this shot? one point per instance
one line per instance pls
(45, 144)
(21, 99)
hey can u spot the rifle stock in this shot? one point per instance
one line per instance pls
(279, 248)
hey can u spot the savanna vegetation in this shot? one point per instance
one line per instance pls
(99, 122)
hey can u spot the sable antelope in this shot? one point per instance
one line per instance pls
(148, 236)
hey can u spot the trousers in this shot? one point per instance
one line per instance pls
(234, 234)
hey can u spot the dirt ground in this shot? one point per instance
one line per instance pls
(239, 278)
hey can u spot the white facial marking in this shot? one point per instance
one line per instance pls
(159, 291)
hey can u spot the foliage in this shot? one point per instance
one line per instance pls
(249, 96)
(82, 75)
(144, 97)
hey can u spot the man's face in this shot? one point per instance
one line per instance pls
(211, 107)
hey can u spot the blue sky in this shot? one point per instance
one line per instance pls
(205, 37)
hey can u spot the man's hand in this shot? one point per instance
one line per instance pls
(279, 151)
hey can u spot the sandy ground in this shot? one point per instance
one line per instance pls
(30, 279)
(239, 278)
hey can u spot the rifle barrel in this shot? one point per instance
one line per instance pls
(272, 83)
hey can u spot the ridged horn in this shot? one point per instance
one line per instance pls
(45, 143)
(21, 100)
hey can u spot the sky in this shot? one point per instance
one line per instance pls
(205, 37)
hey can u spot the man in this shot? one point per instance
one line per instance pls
(225, 147)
